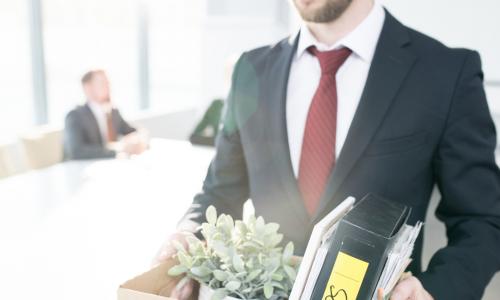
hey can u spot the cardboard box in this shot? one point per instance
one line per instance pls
(155, 284)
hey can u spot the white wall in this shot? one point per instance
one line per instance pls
(176, 125)
(493, 94)
(234, 26)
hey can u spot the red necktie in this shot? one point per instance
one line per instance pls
(111, 129)
(317, 158)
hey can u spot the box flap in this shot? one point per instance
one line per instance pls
(155, 281)
(126, 294)
(154, 284)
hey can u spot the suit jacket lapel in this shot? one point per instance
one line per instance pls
(116, 122)
(94, 126)
(275, 85)
(390, 65)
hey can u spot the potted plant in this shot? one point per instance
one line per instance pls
(238, 260)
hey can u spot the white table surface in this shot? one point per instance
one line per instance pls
(78, 230)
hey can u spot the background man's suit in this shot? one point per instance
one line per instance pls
(422, 120)
(82, 137)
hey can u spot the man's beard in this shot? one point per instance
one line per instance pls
(329, 12)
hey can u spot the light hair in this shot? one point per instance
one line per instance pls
(87, 77)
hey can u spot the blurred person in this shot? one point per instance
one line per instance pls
(93, 130)
(208, 127)
(355, 103)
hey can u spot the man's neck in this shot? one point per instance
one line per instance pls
(332, 32)
(104, 107)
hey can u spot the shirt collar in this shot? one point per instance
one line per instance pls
(362, 40)
(99, 109)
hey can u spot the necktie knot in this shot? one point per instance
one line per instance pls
(330, 61)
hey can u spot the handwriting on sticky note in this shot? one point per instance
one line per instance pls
(346, 278)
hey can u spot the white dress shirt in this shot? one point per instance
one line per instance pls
(305, 73)
(100, 112)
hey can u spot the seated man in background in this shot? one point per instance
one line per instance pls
(92, 130)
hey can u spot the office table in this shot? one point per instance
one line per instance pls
(79, 229)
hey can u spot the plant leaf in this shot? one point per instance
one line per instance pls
(290, 272)
(259, 226)
(184, 259)
(177, 270)
(272, 228)
(288, 253)
(233, 285)
(238, 263)
(178, 246)
(253, 275)
(220, 275)
(211, 215)
(219, 248)
(200, 271)
(268, 290)
(219, 294)
(276, 239)
(277, 276)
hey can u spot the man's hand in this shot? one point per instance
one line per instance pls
(167, 250)
(407, 288)
(133, 143)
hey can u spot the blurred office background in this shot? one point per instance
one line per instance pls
(169, 56)
(166, 60)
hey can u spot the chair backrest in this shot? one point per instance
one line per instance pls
(43, 147)
(12, 158)
(3, 167)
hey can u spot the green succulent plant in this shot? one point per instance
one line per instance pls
(240, 259)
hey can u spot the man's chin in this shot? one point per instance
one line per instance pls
(305, 3)
(312, 16)
(321, 11)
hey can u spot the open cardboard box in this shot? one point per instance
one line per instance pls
(155, 284)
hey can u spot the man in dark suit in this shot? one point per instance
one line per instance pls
(389, 111)
(90, 129)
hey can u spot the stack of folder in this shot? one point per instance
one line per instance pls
(355, 250)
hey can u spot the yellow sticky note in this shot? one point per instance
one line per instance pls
(346, 278)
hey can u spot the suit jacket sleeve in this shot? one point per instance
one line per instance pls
(226, 183)
(125, 127)
(469, 181)
(76, 146)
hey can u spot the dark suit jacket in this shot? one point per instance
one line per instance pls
(423, 120)
(82, 138)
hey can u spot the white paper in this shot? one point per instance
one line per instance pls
(318, 236)
(398, 259)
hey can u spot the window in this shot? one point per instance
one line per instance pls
(81, 35)
(15, 78)
(175, 50)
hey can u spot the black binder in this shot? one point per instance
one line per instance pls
(359, 249)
